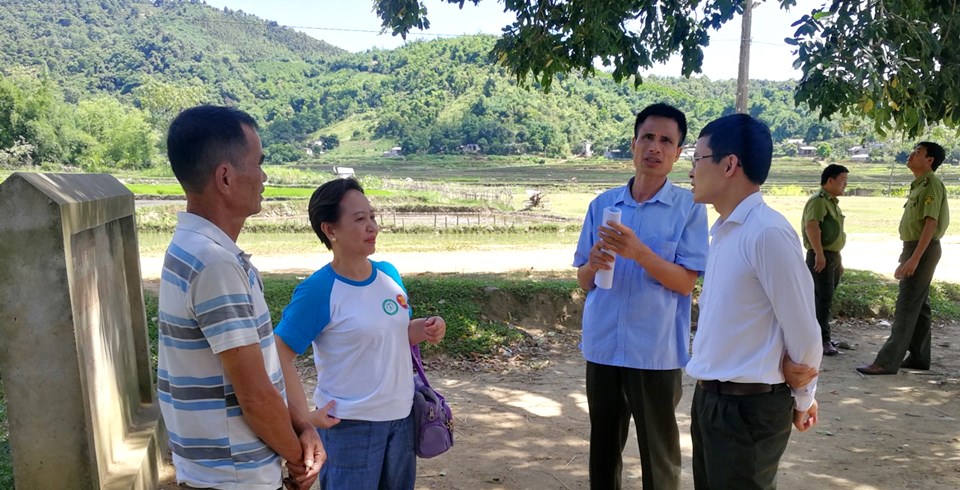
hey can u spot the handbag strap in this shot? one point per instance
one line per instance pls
(417, 363)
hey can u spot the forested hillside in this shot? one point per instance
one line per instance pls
(94, 84)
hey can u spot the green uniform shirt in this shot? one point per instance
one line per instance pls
(928, 198)
(824, 208)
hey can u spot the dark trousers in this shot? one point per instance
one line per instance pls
(738, 440)
(825, 283)
(911, 320)
(651, 397)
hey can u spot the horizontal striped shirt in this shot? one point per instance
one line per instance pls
(211, 300)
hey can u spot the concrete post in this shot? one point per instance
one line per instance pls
(75, 357)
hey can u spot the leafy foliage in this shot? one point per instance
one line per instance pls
(896, 62)
(554, 38)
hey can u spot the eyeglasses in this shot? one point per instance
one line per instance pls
(696, 159)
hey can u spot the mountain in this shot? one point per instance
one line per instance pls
(113, 45)
(65, 66)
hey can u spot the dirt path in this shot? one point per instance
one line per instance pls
(522, 428)
(876, 253)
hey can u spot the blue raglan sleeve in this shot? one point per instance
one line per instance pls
(308, 312)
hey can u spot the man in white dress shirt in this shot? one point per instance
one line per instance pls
(756, 306)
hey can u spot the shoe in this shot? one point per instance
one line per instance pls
(872, 369)
(911, 364)
(829, 349)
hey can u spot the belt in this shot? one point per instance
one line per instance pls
(739, 389)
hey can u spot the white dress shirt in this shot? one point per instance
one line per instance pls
(757, 302)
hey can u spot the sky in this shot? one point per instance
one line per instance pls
(352, 25)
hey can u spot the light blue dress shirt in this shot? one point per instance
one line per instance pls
(638, 323)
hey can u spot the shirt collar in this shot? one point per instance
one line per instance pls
(826, 195)
(740, 213)
(662, 195)
(921, 179)
(198, 224)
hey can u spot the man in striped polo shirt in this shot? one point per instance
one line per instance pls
(220, 386)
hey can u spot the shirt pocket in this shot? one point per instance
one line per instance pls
(664, 249)
(911, 202)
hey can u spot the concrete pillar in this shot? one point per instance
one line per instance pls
(75, 357)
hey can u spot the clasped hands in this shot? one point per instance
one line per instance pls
(797, 376)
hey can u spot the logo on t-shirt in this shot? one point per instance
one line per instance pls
(390, 307)
(402, 300)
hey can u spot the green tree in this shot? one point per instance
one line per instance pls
(896, 62)
(162, 101)
(824, 150)
(118, 136)
(283, 153)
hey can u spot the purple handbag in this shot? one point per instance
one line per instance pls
(431, 415)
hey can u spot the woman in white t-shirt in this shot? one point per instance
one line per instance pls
(355, 314)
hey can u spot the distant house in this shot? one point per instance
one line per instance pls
(394, 152)
(806, 151)
(615, 155)
(859, 150)
(687, 152)
(588, 148)
(860, 157)
(344, 172)
(470, 148)
(308, 151)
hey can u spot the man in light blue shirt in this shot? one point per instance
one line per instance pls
(636, 334)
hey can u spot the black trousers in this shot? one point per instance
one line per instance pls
(911, 320)
(738, 440)
(651, 397)
(825, 283)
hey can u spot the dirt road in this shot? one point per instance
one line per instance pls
(876, 253)
(522, 423)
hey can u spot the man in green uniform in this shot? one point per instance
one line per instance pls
(823, 237)
(925, 220)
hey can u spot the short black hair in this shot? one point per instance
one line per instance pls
(201, 137)
(324, 204)
(936, 151)
(743, 136)
(663, 110)
(831, 172)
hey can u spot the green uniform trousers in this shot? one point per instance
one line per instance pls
(911, 321)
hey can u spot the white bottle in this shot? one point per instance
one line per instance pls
(604, 278)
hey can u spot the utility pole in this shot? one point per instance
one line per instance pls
(743, 74)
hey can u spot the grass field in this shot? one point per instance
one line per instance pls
(176, 190)
(874, 215)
